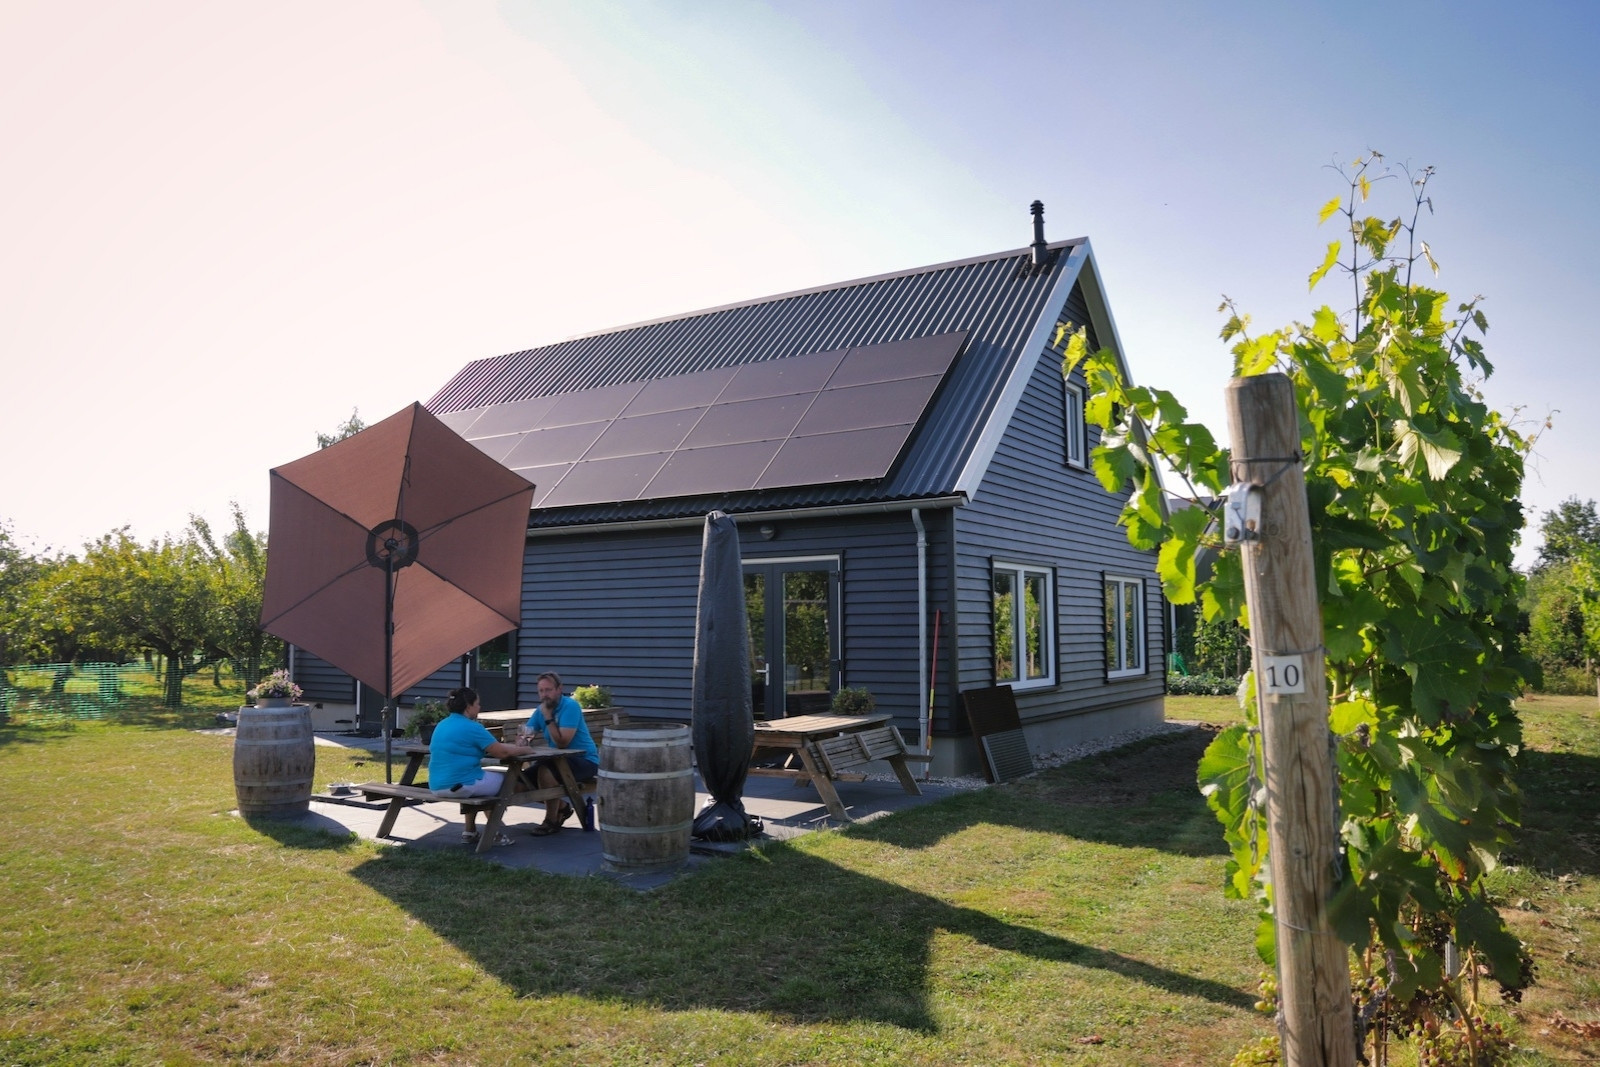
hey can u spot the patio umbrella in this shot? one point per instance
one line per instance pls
(394, 551)
(724, 729)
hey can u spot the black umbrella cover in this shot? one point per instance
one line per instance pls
(724, 729)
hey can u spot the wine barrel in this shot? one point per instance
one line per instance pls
(274, 761)
(646, 797)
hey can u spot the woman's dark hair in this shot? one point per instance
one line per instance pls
(461, 699)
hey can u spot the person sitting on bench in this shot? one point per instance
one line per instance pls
(459, 743)
(559, 720)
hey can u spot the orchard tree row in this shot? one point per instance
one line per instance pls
(193, 600)
(1562, 602)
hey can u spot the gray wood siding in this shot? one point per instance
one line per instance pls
(618, 609)
(321, 680)
(1034, 508)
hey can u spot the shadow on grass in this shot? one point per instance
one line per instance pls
(777, 931)
(1560, 813)
(1143, 795)
(35, 732)
(152, 714)
(309, 831)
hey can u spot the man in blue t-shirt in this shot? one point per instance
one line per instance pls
(559, 720)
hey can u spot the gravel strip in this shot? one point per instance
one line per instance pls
(1046, 760)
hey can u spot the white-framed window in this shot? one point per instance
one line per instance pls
(1072, 423)
(1024, 625)
(1125, 627)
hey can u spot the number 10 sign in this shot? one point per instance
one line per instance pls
(1282, 674)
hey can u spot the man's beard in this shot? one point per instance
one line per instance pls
(549, 704)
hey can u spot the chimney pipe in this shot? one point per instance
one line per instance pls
(1040, 253)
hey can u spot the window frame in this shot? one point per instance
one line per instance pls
(1074, 424)
(1116, 668)
(1020, 573)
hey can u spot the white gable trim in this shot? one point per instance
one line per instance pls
(1079, 266)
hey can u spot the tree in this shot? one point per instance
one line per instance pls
(236, 571)
(126, 596)
(349, 428)
(20, 573)
(1570, 531)
(1412, 483)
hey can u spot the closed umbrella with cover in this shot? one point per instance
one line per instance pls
(724, 729)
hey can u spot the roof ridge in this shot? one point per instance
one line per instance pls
(775, 297)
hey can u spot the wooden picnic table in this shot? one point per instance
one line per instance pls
(822, 748)
(506, 724)
(520, 786)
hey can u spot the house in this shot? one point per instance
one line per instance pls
(909, 472)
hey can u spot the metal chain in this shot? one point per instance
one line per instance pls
(1255, 802)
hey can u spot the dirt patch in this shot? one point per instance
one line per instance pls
(1132, 774)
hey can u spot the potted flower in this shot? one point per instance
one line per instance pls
(590, 697)
(276, 690)
(425, 715)
(854, 700)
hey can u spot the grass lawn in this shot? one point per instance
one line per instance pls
(1075, 917)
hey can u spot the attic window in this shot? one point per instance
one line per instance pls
(1073, 424)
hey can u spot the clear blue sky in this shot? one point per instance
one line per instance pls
(228, 226)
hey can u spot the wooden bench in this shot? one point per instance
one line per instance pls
(518, 789)
(837, 755)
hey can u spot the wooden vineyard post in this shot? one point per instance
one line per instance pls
(1291, 693)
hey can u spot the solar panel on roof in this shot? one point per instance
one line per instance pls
(702, 471)
(770, 418)
(634, 435)
(681, 391)
(622, 478)
(591, 405)
(544, 478)
(848, 456)
(498, 448)
(886, 362)
(460, 421)
(515, 417)
(860, 406)
(836, 416)
(783, 377)
(558, 444)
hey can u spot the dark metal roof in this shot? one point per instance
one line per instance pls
(1000, 301)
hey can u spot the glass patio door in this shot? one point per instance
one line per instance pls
(492, 674)
(793, 610)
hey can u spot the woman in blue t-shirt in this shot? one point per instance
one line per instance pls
(459, 744)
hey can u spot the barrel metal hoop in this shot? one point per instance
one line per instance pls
(628, 742)
(646, 776)
(654, 830)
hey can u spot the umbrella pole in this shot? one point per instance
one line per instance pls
(388, 671)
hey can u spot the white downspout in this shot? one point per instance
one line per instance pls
(924, 725)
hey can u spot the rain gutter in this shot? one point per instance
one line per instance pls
(924, 712)
(834, 511)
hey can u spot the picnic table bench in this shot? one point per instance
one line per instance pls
(519, 787)
(823, 749)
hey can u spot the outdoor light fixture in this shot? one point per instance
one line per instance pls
(1241, 514)
(768, 531)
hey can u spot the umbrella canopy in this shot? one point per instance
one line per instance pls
(724, 729)
(402, 524)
